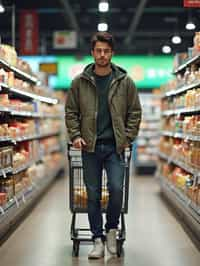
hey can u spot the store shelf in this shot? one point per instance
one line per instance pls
(194, 60)
(4, 109)
(18, 73)
(34, 96)
(5, 139)
(192, 110)
(181, 89)
(27, 113)
(27, 138)
(190, 211)
(187, 168)
(180, 135)
(15, 208)
(24, 113)
(28, 95)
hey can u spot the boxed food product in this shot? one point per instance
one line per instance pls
(9, 54)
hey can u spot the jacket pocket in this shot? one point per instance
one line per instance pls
(119, 129)
(87, 127)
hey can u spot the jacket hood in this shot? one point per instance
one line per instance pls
(118, 71)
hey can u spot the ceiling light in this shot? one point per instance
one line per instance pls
(103, 6)
(102, 26)
(176, 39)
(2, 9)
(190, 25)
(166, 49)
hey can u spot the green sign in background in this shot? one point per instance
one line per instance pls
(146, 71)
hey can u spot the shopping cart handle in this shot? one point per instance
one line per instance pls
(127, 153)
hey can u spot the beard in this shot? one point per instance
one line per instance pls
(102, 62)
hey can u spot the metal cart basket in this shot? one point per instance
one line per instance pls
(78, 199)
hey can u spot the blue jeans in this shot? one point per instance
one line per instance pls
(104, 157)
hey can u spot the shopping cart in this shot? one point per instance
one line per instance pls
(78, 200)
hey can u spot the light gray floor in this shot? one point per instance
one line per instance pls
(154, 237)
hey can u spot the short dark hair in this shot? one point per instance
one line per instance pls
(102, 37)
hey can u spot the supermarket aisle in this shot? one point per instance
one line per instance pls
(153, 235)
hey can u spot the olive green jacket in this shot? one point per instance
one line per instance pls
(82, 105)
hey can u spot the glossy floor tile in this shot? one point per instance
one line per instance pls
(154, 236)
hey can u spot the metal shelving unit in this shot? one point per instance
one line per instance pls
(148, 134)
(28, 95)
(18, 73)
(193, 60)
(20, 202)
(188, 210)
(15, 208)
(180, 135)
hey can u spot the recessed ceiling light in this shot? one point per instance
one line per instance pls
(102, 26)
(166, 49)
(190, 25)
(103, 6)
(176, 39)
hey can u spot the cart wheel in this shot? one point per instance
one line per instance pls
(119, 248)
(75, 250)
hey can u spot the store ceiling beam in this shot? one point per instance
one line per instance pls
(122, 34)
(70, 17)
(158, 10)
(135, 21)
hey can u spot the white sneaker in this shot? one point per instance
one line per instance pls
(111, 241)
(98, 249)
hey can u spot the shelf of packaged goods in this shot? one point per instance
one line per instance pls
(180, 135)
(18, 73)
(193, 60)
(16, 207)
(178, 111)
(32, 137)
(27, 138)
(22, 167)
(187, 168)
(5, 171)
(28, 95)
(189, 211)
(34, 96)
(181, 89)
(28, 114)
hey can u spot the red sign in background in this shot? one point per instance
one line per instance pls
(191, 3)
(29, 32)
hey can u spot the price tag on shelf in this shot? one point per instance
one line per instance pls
(2, 210)
(23, 198)
(16, 201)
(3, 173)
(196, 180)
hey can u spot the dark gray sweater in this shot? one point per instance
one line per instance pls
(104, 122)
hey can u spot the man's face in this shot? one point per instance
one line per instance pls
(102, 54)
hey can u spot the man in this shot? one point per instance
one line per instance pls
(103, 114)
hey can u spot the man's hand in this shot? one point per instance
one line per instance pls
(127, 145)
(78, 143)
